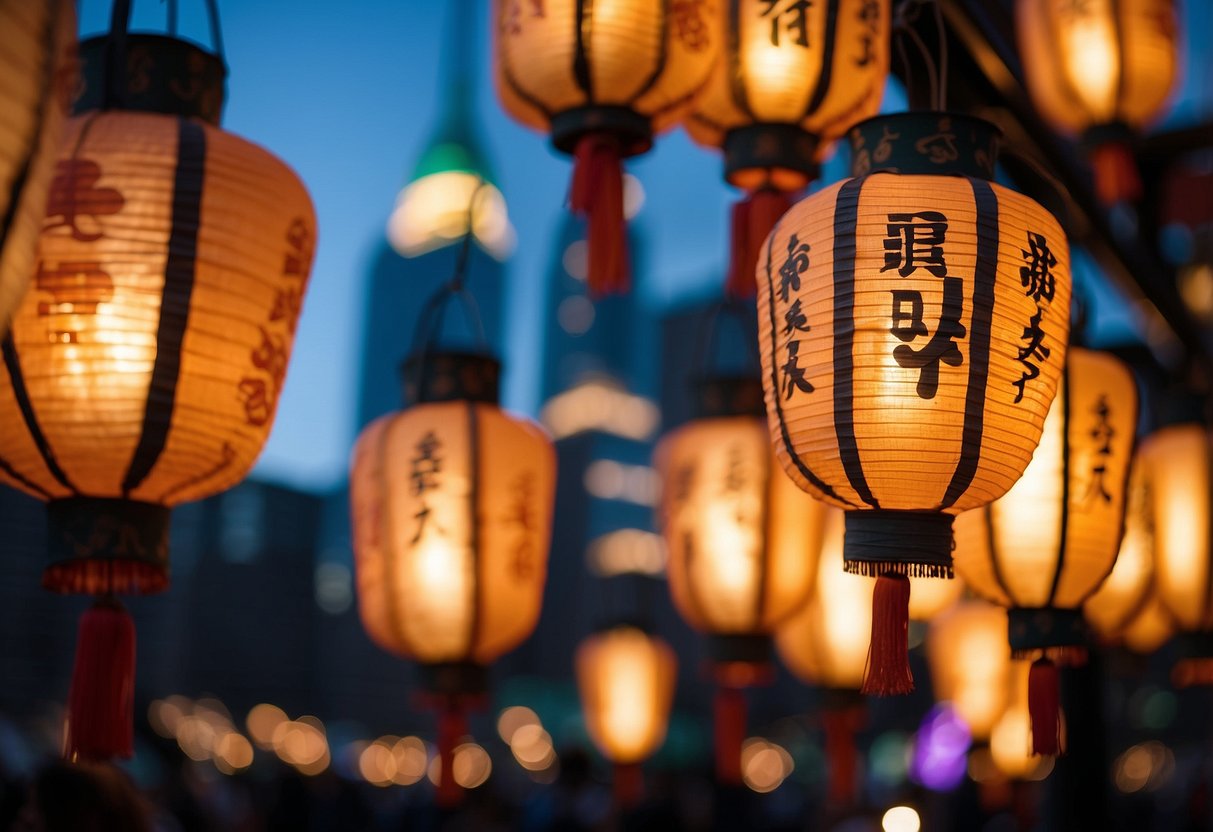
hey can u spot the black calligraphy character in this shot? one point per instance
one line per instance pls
(941, 347)
(914, 240)
(907, 324)
(74, 194)
(1034, 350)
(734, 477)
(792, 268)
(795, 319)
(1037, 276)
(423, 476)
(869, 15)
(793, 17)
(793, 375)
(1102, 433)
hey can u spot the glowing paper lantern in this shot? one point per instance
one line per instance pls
(742, 541)
(970, 663)
(602, 77)
(913, 322)
(1043, 548)
(1124, 594)
(1102, 71)
(145, 365)
(37, 51)
(452, 506)
(1151, 628)
(1011, 738)
(626, 678)
(792, 77)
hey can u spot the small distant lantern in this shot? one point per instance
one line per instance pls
(626, 679)
(790, 80)
(1101, 71)
(602, 77)
(1010, 740)
(451, 505)
(146, 363)
(38, 53)
(971, 664)
(1124, 594)
(922, 290)
(1044, 547)
(742, 541)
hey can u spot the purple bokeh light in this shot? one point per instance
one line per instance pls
(941, 749)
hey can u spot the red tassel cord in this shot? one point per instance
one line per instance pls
(1044, 707)
(888, 671)
(1116, 178)
(730, 718)
(628, 784)
(841, 758)
(597, 195)
(101, 703)
(452, 727)
(752, 220)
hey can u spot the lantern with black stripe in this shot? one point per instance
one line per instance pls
(602, 77)
(38, 53)
(791, 78)
(1128, 589)
(913, 321)
(1101, 71)
(145, 365)
(1044, 547)
(742, 544)
(451, 502)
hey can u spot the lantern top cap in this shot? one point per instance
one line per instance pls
(163, 74)
(449, 376)
(721, 396)
(927, 143)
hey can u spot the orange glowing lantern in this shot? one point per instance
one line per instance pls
(742, 542)
(145, 365)
(37, 51)
(1102, 71)
(1044, 547)
(1151, 628)
(920, 289)
(971, 664)
(791, 78)
(626, 680)
(1011, 737)
(602, 77)
(1125, 593)
(452, 504)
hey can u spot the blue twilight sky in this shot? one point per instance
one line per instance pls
(347, 94)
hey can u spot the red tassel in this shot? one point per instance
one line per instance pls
(888, 671)
(1116, 178)
(597, 195)
(841, 758)
(730, 713)
(752, 220)
(1044, 707)
(452, 727)
(101, 704)
(629, 785)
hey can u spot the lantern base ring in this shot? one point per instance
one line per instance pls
(1038, 628)
(750, 649)
(1195, 645)
(633, 130)
(458, 679)
(767, 147)
(916, 544)
(101, 546)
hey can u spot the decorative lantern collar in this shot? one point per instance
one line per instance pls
(170, 76)
(452, 376)
(719, 396)
(633, 131)
(925, 143)
(786, 146)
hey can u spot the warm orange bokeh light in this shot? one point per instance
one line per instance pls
(971, 663)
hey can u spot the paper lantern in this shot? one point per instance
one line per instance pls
(1011, 738)
(971, 664)
(791, 78)
(1043, 548)
(1151, 628)
(38, 52)
(626, 678)
(451, 505)
(913, 322)
(742, 541)
(1123, 596)
(145, 365)
(602, 77)
(1101, 71)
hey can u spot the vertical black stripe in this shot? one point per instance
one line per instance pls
(1063, 526)
(21, 478)
(1124, 506)
(783, 427)
(984, 278)
(584, 18)
(662, 54)
(846, 212)
(733, 54)
(179, 272)
(987, 511)
(475, 619)
(12, 363)
(827, 59)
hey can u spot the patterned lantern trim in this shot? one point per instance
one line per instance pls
(1010, 740)
(792, 77)
(38, 53)
(742, 542)
(913, 322)
(145, 365)
(970, 663)
(1044, 547)
(626, 678)
(452, 506)
(1123, 596)
(1101, 71)
(602, 77)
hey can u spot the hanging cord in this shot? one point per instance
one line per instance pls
(937, 70)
